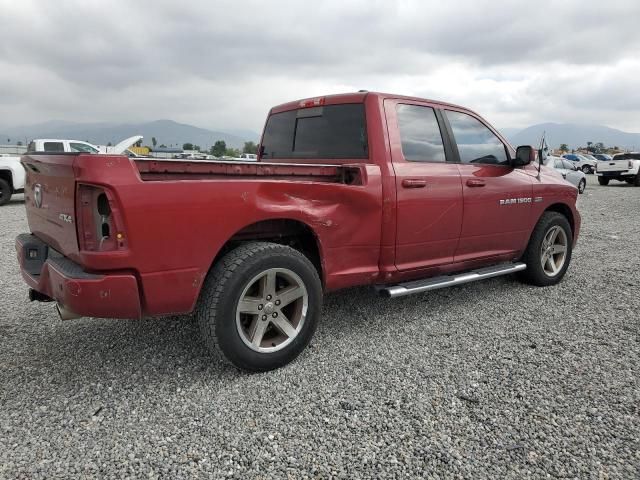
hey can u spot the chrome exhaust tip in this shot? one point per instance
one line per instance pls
(66, 314)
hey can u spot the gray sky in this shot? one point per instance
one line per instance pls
(222, 64)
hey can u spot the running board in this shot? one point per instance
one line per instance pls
(419, 286)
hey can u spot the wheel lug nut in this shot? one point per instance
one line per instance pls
(268, 297)
(277, 302)
(264, 317)
(259, 307)
(275, 314)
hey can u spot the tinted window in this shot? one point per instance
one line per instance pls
(627, 156)
(332, 131)
(53, 147)
(420, 134)
(476, 143)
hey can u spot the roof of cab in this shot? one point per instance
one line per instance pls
(355, 97)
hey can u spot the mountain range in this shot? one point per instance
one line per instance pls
(166, 132)
(574, 135)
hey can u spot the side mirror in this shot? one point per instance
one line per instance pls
(525, 154)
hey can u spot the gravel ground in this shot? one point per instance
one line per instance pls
(488, 380)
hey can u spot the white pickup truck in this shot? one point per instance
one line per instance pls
(624, 167)
(12, 173)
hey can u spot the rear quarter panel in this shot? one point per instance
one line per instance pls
(175, 228)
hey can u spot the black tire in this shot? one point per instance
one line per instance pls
(586, 169)
(221, 292)
(603, 181)
(636, 181)
(5, 192)
(535, 273)
(582, 184)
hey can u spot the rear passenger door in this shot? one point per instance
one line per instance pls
(497, 197)
(428, 188)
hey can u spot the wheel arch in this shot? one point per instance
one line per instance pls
(565, 210)
(284, 231)
(7, 175)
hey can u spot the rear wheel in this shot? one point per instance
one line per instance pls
(582, 185)
(260, 306)
(603, 181)
(5, 191)
(636, 181)
(549, 251)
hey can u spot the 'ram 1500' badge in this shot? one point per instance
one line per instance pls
(513, 201)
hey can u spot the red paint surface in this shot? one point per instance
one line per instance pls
(177, 216)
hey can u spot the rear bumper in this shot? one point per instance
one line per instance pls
(113, 295)
(618, 173)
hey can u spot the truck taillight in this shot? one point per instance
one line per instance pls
(312, 102)
(630, 165)
(99, 224)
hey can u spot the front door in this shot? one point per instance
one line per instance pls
(497, 197)
(429, 192)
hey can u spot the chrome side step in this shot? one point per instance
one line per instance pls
(419, 286)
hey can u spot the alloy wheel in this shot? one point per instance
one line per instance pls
(271, 310)
(553, 252)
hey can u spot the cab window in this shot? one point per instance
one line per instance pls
(82, 147)
(53, 147)
(476, 143)
(420, 134)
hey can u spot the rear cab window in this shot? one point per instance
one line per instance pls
(53, 147)
(321, 132)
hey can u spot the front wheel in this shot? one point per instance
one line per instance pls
(549, 251)
(5, 192)
(260, 305)
(586, 169)
(636, 181)
(603, 181)
(582, 185)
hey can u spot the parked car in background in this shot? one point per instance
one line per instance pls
(569, 171)
(583, 163)
(248, 157)
(12, 177)
(624, 167)
(57, 145)
(602, 157)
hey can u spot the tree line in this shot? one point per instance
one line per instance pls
(219, 148)
(591, 147)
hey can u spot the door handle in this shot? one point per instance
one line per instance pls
(414, 183)
(474, 182)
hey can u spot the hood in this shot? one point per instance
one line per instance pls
(124, 144)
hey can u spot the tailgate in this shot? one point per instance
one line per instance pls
(50, 200)
(613, 166)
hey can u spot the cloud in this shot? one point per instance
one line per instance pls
(222, 64)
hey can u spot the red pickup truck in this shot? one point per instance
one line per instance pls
(401, 193)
